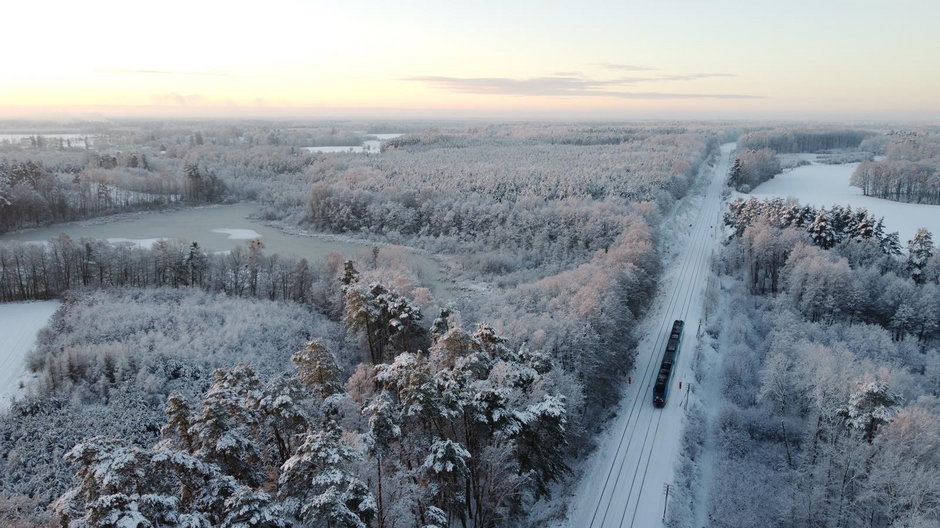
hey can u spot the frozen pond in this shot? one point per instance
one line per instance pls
(825, 185)
(221, 228)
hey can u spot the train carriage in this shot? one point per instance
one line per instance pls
(667, 367)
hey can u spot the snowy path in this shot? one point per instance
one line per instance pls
(19, 323)
(625, 481)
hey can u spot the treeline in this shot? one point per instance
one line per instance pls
(910, 171)
(752, 168)
(830, 385)
(826, 227)
(44, 271)
(31, 194)
(860, 280)
(854, 282)
(787, 140)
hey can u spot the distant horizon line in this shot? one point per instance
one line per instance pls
(62, 114)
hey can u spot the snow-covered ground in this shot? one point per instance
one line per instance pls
(19, 323)
(624, 481)
(369, 146)
(824, 185)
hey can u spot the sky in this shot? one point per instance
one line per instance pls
(696, 59)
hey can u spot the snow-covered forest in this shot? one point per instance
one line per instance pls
(182, 387)
(318, 391)
(828, 372)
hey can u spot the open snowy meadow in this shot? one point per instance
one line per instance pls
(19, 323)
(820, 184)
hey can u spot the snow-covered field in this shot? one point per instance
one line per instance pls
(624, 482)
(19, 323)
(369, 146)
(824, 185)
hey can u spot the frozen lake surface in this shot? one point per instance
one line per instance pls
(826, 185)
(19, 323)
(221, 228)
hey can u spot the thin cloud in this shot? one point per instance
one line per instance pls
(567, 86)
(671, 95)
(165, 72)
(623, 67)
(691, 76)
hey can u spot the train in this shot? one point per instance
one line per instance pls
(666, 368)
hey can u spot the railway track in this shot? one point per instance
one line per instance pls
(624, 487)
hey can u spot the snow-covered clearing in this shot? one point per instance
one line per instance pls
(624, 481)
(19, 323)
(238, 234)
(352, 149)
(369, 146)
(825, 185)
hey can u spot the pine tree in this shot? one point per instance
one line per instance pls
(317, 368)
(225, 429)
(863, 227)
(447, 464)
(919, 251)
(891, 244)
(117, 487)
(192, 183)
(350, 275)
(317, 486)
(821, 231)
(736, 174)
(250, 508)
(175, 432)
(196, 264)
(387, 320)
(285, 414)
(440, 324)
(870, 406)
(541, 442)
(383, 431)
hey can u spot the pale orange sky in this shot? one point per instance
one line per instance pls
(593, 59)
